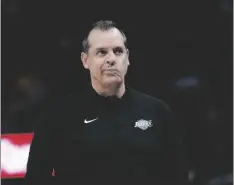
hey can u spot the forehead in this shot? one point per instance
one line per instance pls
(105, 38)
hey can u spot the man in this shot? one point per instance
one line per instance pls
(110, 133)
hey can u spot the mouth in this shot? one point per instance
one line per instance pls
(110, 70)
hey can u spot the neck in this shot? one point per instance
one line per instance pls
(109, 90)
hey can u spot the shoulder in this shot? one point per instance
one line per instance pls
(146, 99)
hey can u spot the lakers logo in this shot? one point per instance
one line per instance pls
(143, 124)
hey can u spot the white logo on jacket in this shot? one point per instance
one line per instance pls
(89, 121)
(143, 124)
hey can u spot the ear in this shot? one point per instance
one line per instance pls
(84, 58)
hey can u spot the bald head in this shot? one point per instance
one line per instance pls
(102, 26)
(105, 38)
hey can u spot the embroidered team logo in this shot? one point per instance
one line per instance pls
(143, 124)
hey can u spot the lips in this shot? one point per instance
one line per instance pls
(110, 71)
(114, 70)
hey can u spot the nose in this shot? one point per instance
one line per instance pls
(111, 59)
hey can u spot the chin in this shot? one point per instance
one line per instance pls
(112, 81)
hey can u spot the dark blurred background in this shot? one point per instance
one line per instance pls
(180, 51)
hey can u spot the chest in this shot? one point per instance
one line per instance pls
(125, 129)
(110, 140)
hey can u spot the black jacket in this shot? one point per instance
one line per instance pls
(91, 139)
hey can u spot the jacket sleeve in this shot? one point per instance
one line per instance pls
(174, 163)
(40, 160)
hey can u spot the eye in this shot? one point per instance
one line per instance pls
(101, 52)
(118, 51)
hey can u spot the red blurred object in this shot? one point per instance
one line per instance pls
(14, 154)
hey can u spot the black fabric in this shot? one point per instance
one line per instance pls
(111, 149)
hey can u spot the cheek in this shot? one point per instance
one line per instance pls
(95, 68)
(125, 69)
(124, 66)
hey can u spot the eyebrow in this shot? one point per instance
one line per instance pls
(102, 48)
